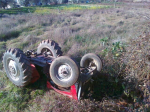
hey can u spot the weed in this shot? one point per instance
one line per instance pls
(117, 49)
(104, 40)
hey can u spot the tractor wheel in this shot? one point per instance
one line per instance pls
(64, 72)
(91, 60)
(51, 48)
(17, 67)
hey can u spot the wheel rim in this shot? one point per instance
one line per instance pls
(47, 51)
(64, 72)
(13, 70)
(91, 64)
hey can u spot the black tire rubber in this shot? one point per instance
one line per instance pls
(50, 45)
(54, 69)
(91, 57)
(23, 67)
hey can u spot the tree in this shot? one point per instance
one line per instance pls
(45, 2)
(26, 3)
(3, 3)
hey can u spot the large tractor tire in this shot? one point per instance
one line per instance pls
(91, 60)
(64, 72)
(51, 48)
(17, 67)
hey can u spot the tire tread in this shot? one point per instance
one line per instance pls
(53, 44)
(22, 62)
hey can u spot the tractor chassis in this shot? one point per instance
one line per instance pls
(75, 90)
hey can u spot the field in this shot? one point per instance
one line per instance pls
(119, 35)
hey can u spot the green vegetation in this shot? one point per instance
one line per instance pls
(50, 9)
(14, 98)
(2, 50)
(18, 10)
(119, 36)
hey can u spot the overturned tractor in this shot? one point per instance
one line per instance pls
(63, 73)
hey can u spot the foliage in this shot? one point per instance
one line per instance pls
(18, 10)
(3, 4)
(116, 49)
(14, 98)
(48, 9)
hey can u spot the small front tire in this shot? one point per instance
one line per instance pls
(91, 60)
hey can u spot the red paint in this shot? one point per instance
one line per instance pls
(35, 74)
(72, 93)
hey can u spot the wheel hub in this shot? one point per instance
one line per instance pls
(13, 70)
(64, 72)
(92, 65)
(46, 51)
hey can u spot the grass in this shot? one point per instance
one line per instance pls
(16, 99)
(119, 36)
(2, 50)
(50, 9)
(18, 10)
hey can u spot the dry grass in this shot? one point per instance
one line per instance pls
(138, 67)
(114, 34)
